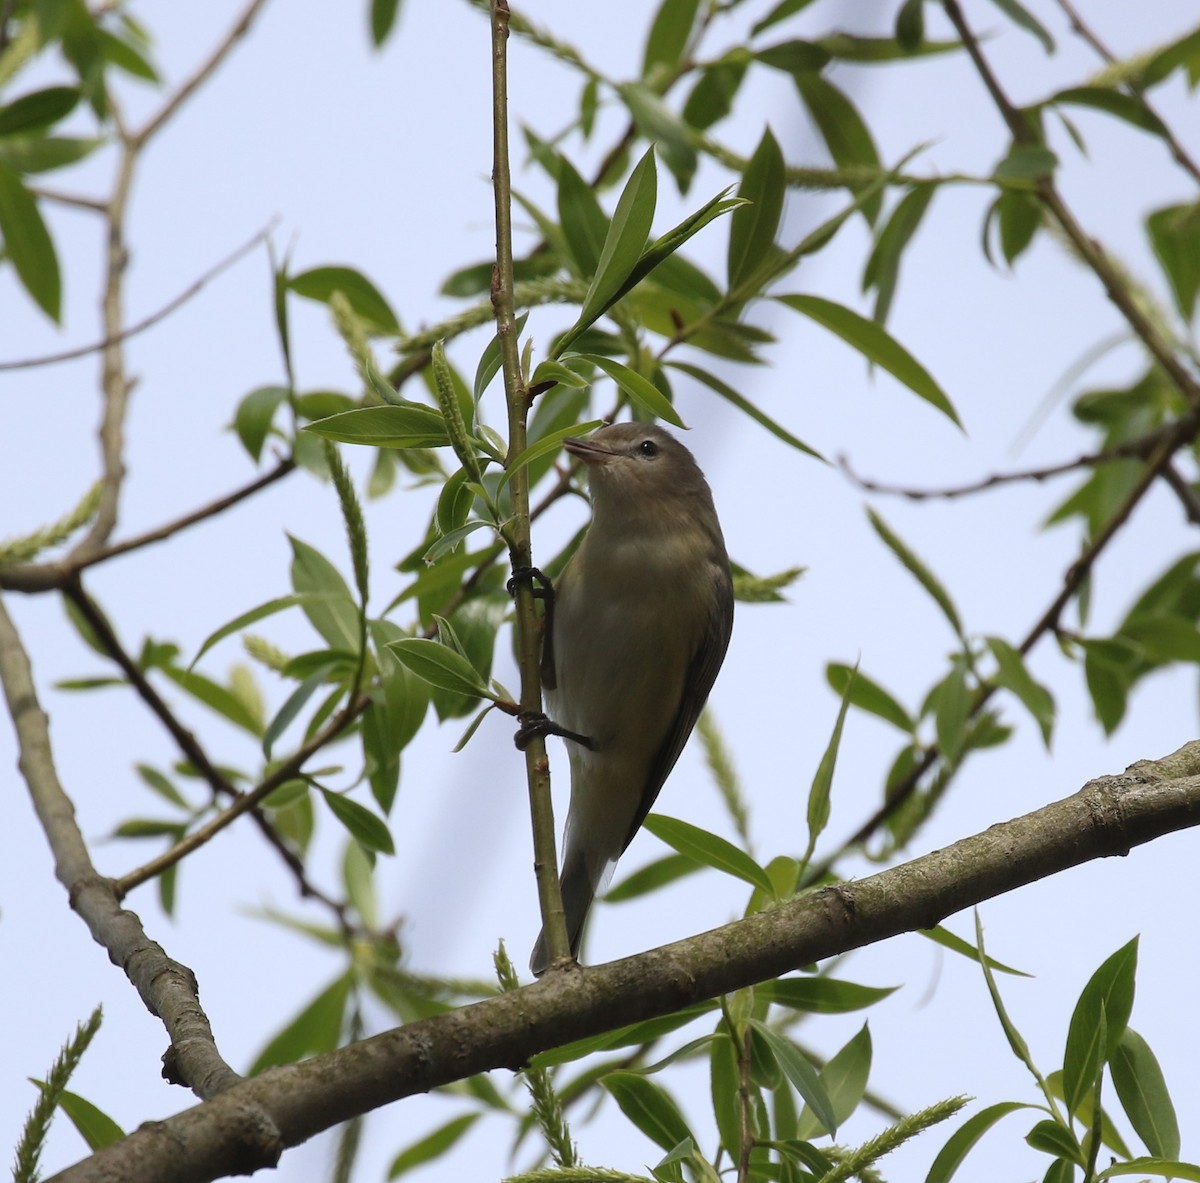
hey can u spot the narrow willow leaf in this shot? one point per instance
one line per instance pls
(627, 234)
(1013, 675)
(821, 996)
(433, 1145)
(867, 695)
(651, 877)
(961, 1142)
(1024, 19)
(94, 1125)
(368, 830)
(1016, 1041)
(818, 794)
(383, 19)
(492, 359)
(1144, 1095)
(1174, 233)
(314, 1030)
(649, 1107)
(882, 271)
(545, 446)
(1108, 995)
(440, 666)
(877, 345)
(669, 34)
(845, 1080)
(1052, 1138)
(802, 1075)
(409, 426)
(320, 283)
(743, 404)
(948, 940)
(27, 243)
(753, 227)
(327, 602)
(1162, 1167)
(640, 390)
(709, 849)
(918, 570)
(252, 420)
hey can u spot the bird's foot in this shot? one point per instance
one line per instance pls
(543, 589)
(536, 725)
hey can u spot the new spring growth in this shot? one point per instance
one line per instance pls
(456, 428)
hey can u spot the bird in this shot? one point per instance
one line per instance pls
(640, 622)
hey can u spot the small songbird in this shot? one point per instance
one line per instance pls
(641, 621)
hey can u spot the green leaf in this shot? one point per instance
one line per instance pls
(440, 666)
(1166, 1168)
(822, 783)
(260, 613)
(712, 97)
(961, 1142)
(1026, 164)
(845, 1081)
(492, 359)
(794, 57)
(1024, 19)
(408, 426)
(649, 1107)
(657, 122)
(327, 602)
(708, 849)
(1013, 675)
(548, 444)
(868, 695)
(918, 570)
(821, 996)
(1108, 993)
(1144, 1095)
(842, 128)
(723, 1087)
(847, 47)
(368, 830)
(314, 1030)
(651, 877)
(216, 697)
(252, 421)
(948, 940)
(1130, 108)
(320, 283)
(1174, 233)
(780, 12)
(38, 110)
(882, 271)
(94, 1125)
(627, 234)
(383, 20)
(753, 226)
(640, 390)
(433, 1145)
(730, 395)
(634, 1035)
(1019, 216)
(1016, 1041)
(876, 345)
(39, 154)
(802, 1074)
(27, 244)
(669, 34)
(1052, 1138)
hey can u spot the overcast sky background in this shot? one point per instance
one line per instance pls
(380, 161)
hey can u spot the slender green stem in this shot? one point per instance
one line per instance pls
(516, 529)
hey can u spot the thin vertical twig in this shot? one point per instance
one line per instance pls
(516, 531)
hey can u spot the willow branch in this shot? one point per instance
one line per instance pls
(167, 988)
(516, 529)
(249, 1127)
(41, 577)
(201, 75)
(124, 334)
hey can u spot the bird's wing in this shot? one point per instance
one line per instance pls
(702, 673)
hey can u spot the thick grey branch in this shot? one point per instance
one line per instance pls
(1108, 816)
(167, 988)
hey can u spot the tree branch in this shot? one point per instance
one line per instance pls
(516, 530)
(168, 988)
(193, 289)
(248, 1127)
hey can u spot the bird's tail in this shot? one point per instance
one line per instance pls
(578, 891)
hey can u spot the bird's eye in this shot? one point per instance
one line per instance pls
(648, 448)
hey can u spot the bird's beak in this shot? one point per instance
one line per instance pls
(587, 451)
